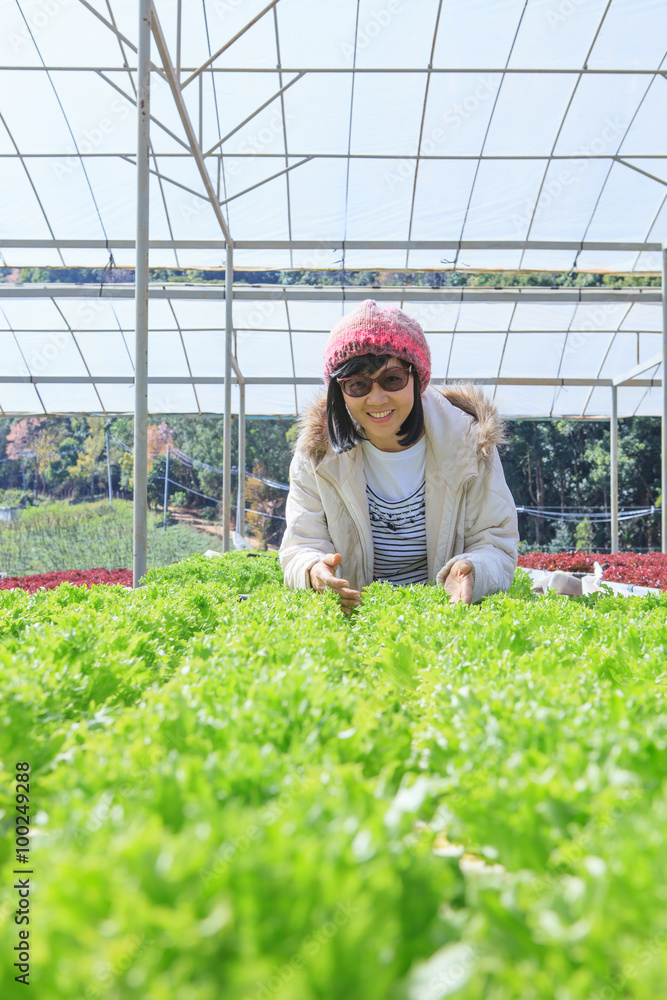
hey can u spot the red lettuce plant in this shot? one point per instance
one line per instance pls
(80, 577)
(646, 569)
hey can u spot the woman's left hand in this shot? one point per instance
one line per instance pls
(460, 581)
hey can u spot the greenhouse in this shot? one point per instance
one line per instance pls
(267, 800)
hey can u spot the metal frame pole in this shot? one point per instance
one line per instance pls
(337, 293)
(337, 245)
(141, 298)
(227, 425)
(663, 518)
(166, 491)
(106, 434)
(240, 494)
(614, 467)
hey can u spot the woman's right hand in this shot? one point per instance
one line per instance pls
(323, 577)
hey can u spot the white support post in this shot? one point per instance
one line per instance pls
(614, 468)
(240, 494)
(106, 434)
(141, 298)
(227, 425)
(663, 518)
(166, 491)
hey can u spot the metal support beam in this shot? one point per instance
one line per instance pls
(240, 455)
(613, 427)
(106, 436)
(227, 423)
(165, 501)
(663, 519)
(637, 370)
(240, 465)
(461, 245)
(175, 88)
(140, 504)
(637, 383)
(266, 180)
(383, 155)
(333, 293)
(473, 70)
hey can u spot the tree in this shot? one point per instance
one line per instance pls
(201, 439)
(562, 540)
(47, 450)
(565, 463)
(159, 436)
(91, 458)
(583, 535)
(268, 523)
(21, 444)
(527, 451)
(22, 437)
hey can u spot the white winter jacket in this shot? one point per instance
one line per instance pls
(469, 509)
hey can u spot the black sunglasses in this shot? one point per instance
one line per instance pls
(391, 380)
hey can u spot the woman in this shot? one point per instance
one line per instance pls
(393, 479)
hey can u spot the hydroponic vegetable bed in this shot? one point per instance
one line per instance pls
(266, 799)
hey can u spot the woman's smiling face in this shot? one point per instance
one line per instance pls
(381, 414)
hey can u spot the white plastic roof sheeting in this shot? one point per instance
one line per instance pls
(327, 121)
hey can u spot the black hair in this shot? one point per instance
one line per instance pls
(343, 432)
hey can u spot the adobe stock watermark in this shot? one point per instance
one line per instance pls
(371, 28)
(265, 313)
(87, 310)
(41, 15)
(652, 262)
(310, 946)
(92, 140)
(453, 118)
(265, 136)
(445, 972)
(576, 850)
(105, 973)
(614, 129)
(109, 804)
(601, 317)
(41, 358)
(223, 7)
(230, 850)
(320, 257)
(258, 142)
(434, 314)
(193, 208)
(564, 10)
(618, 984)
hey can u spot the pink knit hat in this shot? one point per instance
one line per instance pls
(371, 329)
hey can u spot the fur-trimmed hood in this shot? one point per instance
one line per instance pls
(490, 429)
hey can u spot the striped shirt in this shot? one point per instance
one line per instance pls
(395, 489)
(399, 537)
